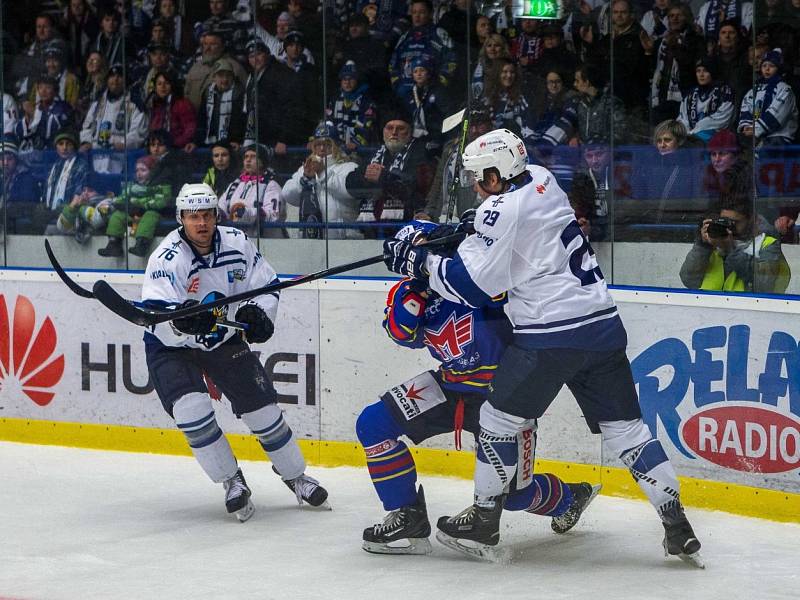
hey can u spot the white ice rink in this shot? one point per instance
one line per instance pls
(82, 524)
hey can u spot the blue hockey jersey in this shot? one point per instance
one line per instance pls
(467, 341)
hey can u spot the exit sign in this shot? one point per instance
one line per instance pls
(537, 9)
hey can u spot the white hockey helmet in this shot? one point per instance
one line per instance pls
(195, 196)
(500, 149)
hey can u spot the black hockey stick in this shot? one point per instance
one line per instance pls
(147, 317)
(70, 283)
(455, 184)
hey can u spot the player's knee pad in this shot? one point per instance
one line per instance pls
(195, 417)
(376, 425)
(269, 426)
(622, 436)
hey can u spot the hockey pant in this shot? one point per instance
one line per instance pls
(634, 445)
(393, 471)
(195, 417)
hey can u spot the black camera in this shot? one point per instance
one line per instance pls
(721, 227)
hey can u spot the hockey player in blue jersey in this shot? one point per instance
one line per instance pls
(468, 342)
(200, 262)
(566, 332)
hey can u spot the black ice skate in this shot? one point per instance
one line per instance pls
(237, 497)
(473, 531)
(407, 528)
(582, 496)
(679, 538)
(308, 490)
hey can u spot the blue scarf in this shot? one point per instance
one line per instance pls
(768, 85)
(732, 10)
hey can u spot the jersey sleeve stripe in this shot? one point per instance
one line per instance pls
(459, 282)
(565, 322)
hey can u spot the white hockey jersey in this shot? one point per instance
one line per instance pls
(176, 273)
(527, 242)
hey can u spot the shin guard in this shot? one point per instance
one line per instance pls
(194, 416)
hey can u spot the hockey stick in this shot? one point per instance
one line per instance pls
(147, 317)
(84, 293)
(455, 184)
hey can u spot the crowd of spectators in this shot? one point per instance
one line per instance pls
(110, 106)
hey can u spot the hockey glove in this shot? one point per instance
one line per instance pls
(404, 258)
(467, 221)
(259, 327)
(199, 324)
(444, 249)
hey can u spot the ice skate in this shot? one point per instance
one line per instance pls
(308, 490)
(403, 531)
(237, 497)
(474, 531)
(582, 496)
(679, 538)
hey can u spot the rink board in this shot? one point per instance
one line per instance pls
(718, 377)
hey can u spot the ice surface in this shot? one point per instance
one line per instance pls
(79, 524)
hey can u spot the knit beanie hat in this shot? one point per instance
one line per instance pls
(774, 56)
(723, 141)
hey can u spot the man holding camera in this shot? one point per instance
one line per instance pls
(733, 254)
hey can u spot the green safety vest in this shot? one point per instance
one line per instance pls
(714, 278)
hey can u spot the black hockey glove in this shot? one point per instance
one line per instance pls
(404, 258)
(444, 249)
(259, 327)
(467, 221)
(199, 324)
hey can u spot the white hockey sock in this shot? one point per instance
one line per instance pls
(497, 453)
(646, 460)
(194, 416)
(277, 439)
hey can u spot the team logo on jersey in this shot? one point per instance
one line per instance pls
(194, 285)
(236, 275)
(452, 338)
(27, 365)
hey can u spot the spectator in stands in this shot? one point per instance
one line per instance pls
(769, 112)
(268, 95)
(426, 104)
(80, 27)
(667, 175)
(221, 115)
(181, 35)
(224, 167)
(369, 56)
(94, 84)
(591, 190)
(654, 21)
(631, 68)
(20, 193)
(109, 41)
(284, 25)
(730, 52)
(41, 121)
(396, 181)
(734, 252)
(591, 113)
(171, 165)
(494, 49)
(306, 105)
(199, 76)
(508, 106)
(113, 125)
(140, 202)
(159, 60)
(714, 12)
(729, 176)
(352, 111)
(527, 45)
(547, 104)
(233, 31)
(10, 114)
(439, 194)
(677, 53)
(308, 21)
(708, 107)
(555, 55)
(318, 188)
(85, 215)
(55, 67)
(167, 109)
(65, 182)
(255, 196)
(424, 37)
(483, 29)
(29, 64)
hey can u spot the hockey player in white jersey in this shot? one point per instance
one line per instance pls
(566, 331)
(201, 262)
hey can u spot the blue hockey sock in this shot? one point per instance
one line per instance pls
(389, 461)
(546, 496)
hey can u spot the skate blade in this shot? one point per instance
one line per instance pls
(243, 514)
(324, 506)
(694, 560)
(414, 546)
(474, 549)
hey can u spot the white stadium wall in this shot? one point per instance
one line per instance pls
(718, 377)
